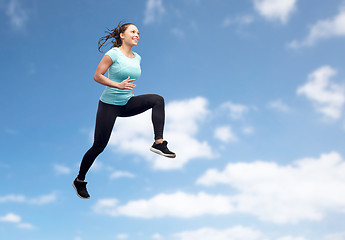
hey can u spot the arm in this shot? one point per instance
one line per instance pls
(102, 68)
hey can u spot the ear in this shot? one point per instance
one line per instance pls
(121, 36)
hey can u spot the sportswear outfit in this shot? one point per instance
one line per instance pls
(115, 103)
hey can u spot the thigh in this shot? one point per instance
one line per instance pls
(138, 104)
(106, 116)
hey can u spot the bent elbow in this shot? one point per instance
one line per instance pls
(96, 78)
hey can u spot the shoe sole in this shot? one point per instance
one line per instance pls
(161, 153)
(78, 193)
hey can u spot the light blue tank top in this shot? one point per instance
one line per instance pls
(122, 68)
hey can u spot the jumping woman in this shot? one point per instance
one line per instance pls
(117, 100)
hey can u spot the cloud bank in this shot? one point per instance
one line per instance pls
(305, 190)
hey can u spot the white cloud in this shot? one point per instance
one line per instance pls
(154, 11)
(157, 236)
(248, 130)
(17, 15)
(11, 131)
(177, 204)
(244, 19)
(275, 10)
(236, 111)
(304, 190)
(335, 236)
(291, 238)
(327, 96)
(4, 165)
(225, 134)
(122, 236)
(183, 119)
(28, 226)
(278, 105)
(11, 217)
(227, 21)
(239, 20)
(12, 198)
(178, 33)
(14, 218)
(323, 29)
(122, 174)
(61, 169)
(193, 1)
(41, 200)
(234, 233)
(100, 166)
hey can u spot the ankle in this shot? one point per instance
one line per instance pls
(159, 141)
(78, 180)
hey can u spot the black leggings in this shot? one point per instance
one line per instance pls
(106, 116)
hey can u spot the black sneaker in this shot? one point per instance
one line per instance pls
(162, 149)
(80, 188)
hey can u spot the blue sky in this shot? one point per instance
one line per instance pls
(255, 94)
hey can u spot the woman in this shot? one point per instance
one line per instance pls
(117, 100)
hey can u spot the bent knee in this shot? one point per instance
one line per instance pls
(158, 99)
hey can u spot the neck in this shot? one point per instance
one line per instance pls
(127, 50)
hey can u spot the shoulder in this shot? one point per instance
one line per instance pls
(137, 55)
(113, 53)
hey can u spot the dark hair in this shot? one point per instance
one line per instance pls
(114, 35)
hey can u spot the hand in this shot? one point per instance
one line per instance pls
(127, 84)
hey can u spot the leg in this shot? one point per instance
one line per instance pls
(106, 116)
(142, 103)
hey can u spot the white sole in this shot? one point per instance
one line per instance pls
(161, 153)
(78, 193)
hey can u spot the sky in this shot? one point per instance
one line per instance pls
(254, 93)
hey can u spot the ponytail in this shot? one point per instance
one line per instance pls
(113, 35)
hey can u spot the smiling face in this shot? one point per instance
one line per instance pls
(130, 36)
